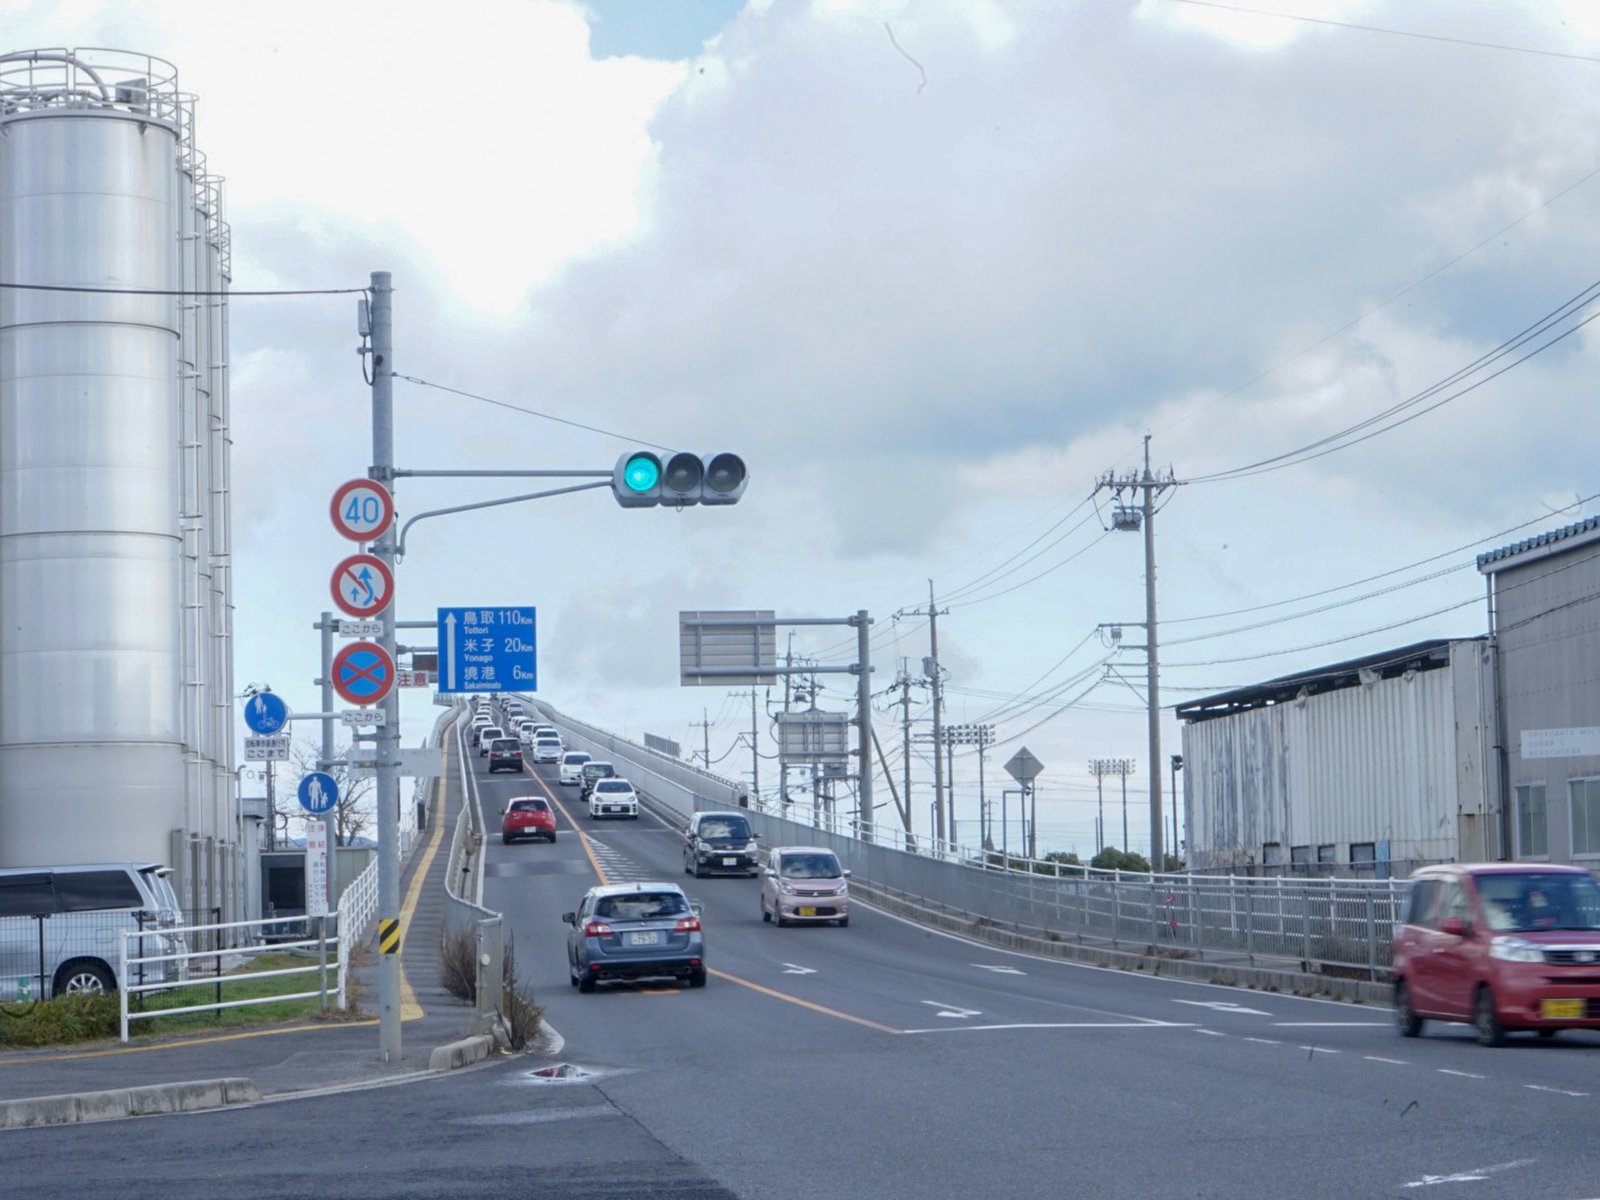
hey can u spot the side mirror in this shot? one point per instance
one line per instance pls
(569, 918)
(769, 873)
(846, 872)
(1455, 927)
(696, 907)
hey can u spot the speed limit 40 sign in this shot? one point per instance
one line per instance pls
(362, 510)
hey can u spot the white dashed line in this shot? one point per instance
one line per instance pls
(1539, 1087)
(1264, 1041)
(1461, 1074)
(1393, 1062)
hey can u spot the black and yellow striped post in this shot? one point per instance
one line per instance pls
(388, 935)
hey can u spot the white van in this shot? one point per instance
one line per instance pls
(81, 911)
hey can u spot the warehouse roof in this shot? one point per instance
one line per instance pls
(1584, 531)
(1422, 656)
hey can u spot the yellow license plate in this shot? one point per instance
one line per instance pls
(1561, 1010)
(806, 912)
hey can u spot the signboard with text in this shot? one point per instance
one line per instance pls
(487, 650)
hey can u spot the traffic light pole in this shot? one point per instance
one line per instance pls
(386, 756)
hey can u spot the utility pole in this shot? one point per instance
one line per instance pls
(704, 726)
(755, 750)
(930, 667)
(1129, 519)
(905, 739)
(783, 762)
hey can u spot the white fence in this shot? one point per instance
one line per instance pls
(174, 967)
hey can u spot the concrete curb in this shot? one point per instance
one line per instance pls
(453, 1055)
(1261, 979)
(149, 1100)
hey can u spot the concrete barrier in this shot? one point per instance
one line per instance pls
(126, 1102)
(464, 1053)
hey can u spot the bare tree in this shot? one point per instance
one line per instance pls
(353, 815)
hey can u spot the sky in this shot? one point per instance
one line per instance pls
(933, 269)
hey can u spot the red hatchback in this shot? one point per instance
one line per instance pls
(527, 817)
(1503, 945)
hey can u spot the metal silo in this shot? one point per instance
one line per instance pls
(107, 683)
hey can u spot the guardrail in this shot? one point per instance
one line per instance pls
(463, 889)
(1322, 925)
(173, 967)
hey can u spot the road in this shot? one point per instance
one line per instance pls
(890, 1062)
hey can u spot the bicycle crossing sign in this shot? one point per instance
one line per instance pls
(363, 673)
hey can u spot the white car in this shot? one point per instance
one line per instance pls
(572, 766)
(486, 734)
(547, 750)
(613, 798)
(525, 733)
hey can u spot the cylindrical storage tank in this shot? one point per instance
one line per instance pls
(91, 761)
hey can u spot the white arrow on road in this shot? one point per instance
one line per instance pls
(999, 970)
(792, 969)
(1226, 1006)
(954, 1010)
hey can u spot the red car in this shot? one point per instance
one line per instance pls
(1504, 946)
(527, 817)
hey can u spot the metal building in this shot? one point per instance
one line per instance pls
(1366, 767)
(1544, 623)
(115, 643)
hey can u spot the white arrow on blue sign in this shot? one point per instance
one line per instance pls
(319, 792)
(488, 650)
(265, 713)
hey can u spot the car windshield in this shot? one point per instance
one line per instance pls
(725, 827)
(613, 785)
(596, 770)
(503, 744)
(575, 758)
(809, 866)
(641, 906)
(1537, 900)
(529, 806)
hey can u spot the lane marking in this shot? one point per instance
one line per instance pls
(1227, 1006)
(1211, 1032)
(1328, 1024)
(1539, 1087)
(998, 970)
(1264, 1041)
(1460, 1074)
(1394, 1062)
(1320, 1050)
(796, 969)
(1471, 1175)
(1054, 1025)
(583, 838)
(954, 1010)
(816, 1008)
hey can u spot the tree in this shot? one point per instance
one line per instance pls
(354, 814)
(1112, 859)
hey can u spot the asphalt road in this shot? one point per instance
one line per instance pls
(889, 1062)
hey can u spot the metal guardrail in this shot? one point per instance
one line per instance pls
(174, 964)
(463, 889)
(1322, 925)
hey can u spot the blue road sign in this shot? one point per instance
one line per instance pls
(265, 713)
(487, 650)
(319, 792)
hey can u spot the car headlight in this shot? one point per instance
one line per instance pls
(1515, 949)
(786, 887)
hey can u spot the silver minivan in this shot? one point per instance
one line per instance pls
(61, 927)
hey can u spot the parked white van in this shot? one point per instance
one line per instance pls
(77, 914)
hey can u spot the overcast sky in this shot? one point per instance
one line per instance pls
(932, 269)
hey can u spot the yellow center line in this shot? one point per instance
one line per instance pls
(583, 840)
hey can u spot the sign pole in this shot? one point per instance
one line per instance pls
(326, 629)
(387, 741)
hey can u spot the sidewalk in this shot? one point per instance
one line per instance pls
(276, 1060)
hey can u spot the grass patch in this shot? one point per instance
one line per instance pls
(205, 991)
(58, 1022)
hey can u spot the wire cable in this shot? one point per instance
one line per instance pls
(533, 412)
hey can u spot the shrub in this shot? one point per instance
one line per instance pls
(521, 1015)
(80, 1017)
(458, 963)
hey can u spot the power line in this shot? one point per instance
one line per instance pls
(1406, 33)
(533, 412)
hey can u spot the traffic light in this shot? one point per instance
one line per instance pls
(642, 479)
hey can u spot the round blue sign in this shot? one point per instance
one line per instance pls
(265, 713)
(319, 792)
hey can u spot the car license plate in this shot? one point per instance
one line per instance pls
(648, 937)
(806, 912)
(730, 862)
(1561, 1010)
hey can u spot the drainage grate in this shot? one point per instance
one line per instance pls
(561, 1073)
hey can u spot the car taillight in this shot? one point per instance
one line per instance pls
(687, 925)
(597, 929)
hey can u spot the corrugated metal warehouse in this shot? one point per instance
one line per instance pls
(1365, 767)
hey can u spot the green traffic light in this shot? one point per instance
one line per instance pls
(642, 473)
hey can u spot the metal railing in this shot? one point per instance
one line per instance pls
(172, 967)
(463, 908)
(1335, 926)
